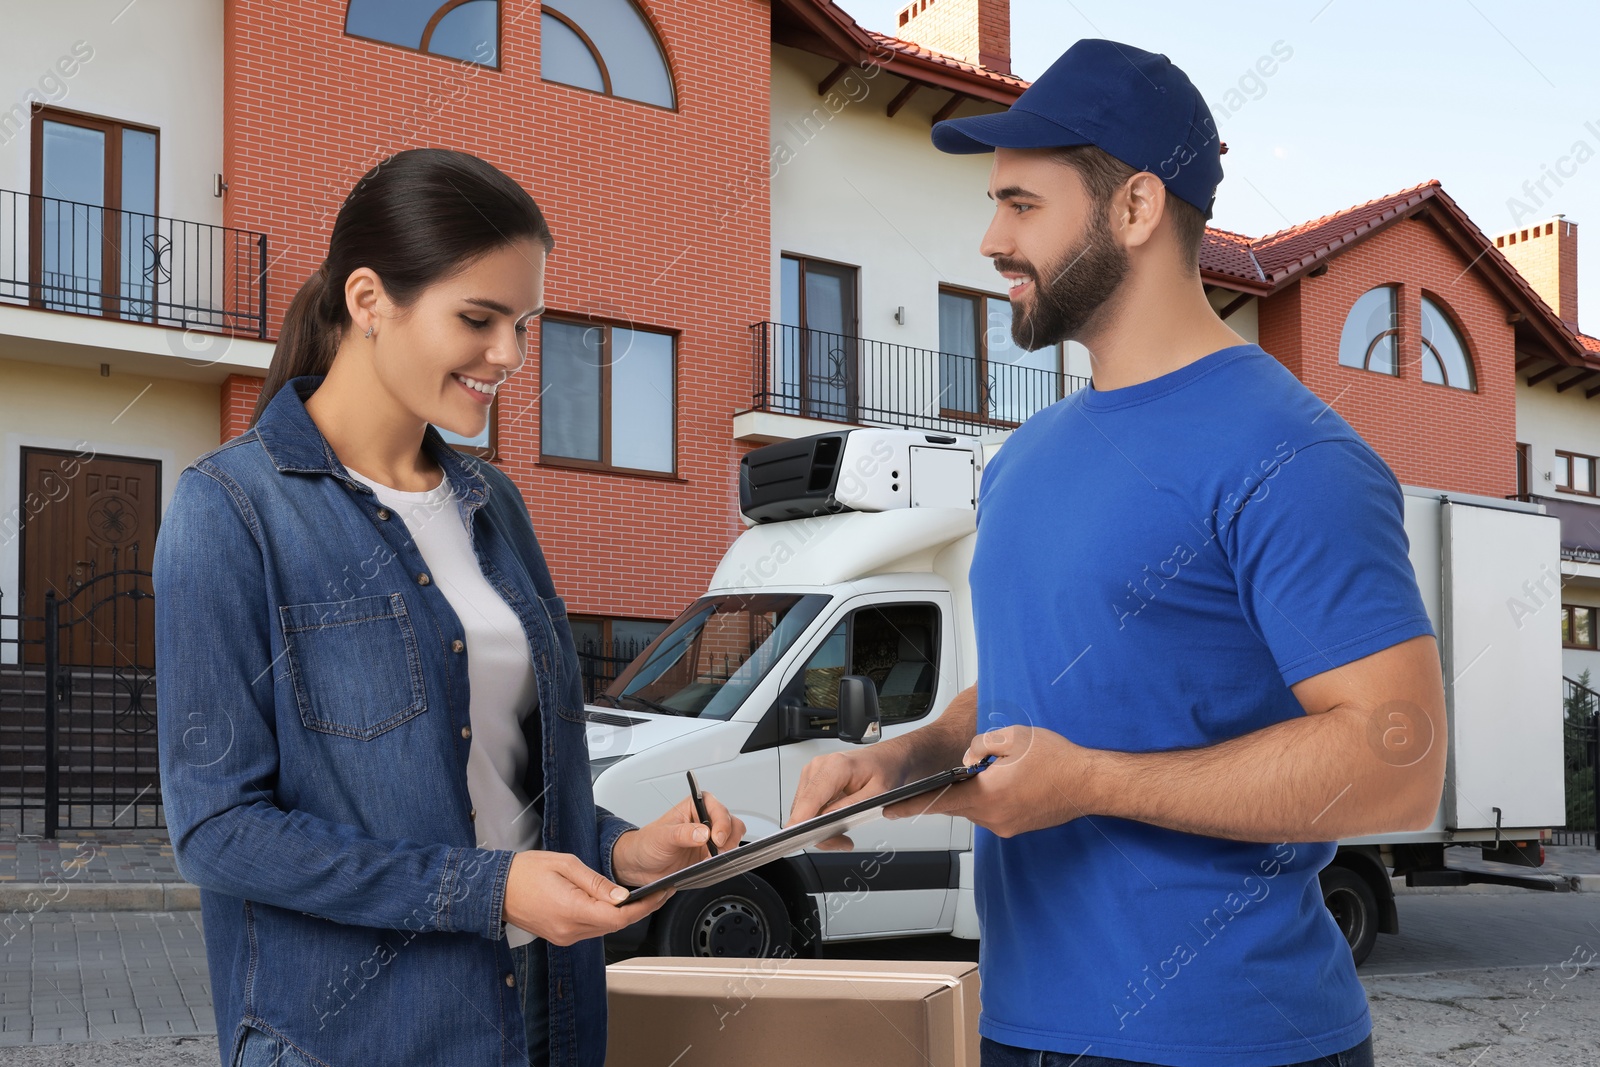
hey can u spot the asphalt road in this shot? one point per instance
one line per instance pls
(1518, 928)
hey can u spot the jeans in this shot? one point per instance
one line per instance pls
(262, 1049)
(994, 1054)
(533, 970)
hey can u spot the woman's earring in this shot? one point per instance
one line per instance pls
(369, 330)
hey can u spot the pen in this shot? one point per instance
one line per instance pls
(700, 810)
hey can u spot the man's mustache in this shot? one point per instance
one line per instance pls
(1015, 266)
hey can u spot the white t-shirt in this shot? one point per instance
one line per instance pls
(500, 678)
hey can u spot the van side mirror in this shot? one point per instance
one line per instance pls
(859, 722)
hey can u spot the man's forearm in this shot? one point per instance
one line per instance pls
(1316, 778)
(941, 744)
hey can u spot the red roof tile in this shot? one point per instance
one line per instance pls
(1276, 255)
(1222, 252)
(1263, 264)
(1298, 246)
(911, 48)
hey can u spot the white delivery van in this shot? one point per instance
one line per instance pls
(855, 564)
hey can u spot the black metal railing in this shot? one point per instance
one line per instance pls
(1580, 761)
(62, 255)
(839, 378)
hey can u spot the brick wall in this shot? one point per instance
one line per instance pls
(660, 217)
(1546, 254)
(1430, 435)
(978, 31)
(239, 394)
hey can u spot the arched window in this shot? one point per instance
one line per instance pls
(1444, 353)
(460, 29)
(1370, 340)
(605, 46)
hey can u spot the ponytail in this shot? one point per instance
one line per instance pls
(417, 217)
(312, 328)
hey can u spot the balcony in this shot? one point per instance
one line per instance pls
(59, 255)
(803, 375)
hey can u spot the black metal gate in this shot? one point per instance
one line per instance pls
(78, 734)
(1581, 762)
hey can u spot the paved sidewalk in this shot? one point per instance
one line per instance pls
(82, 976)
(135, 855)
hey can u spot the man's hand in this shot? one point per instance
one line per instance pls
(673, 841)
(1038, 779)
(839, 779)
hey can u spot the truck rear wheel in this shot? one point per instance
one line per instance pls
(1354, 907)
(742, 918)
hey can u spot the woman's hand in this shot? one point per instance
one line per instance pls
(673, 841)
(554, 896)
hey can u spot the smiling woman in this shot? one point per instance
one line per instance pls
(366, 614)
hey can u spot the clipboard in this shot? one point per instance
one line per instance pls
(748, 857)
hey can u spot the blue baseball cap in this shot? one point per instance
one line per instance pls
(1134, 105)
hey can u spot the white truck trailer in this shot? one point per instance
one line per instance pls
(855, 564)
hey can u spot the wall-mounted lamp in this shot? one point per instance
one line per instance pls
(900, 314)
(219, 186)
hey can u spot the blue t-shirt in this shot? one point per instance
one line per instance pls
(1155, 566)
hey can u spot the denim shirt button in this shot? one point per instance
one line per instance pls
(457, 645)
(472, 813)
(466, 732)
(423, 579)
(511, 979)
(383, 513)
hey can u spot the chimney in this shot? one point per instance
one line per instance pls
(1546, 255)
(977, 31)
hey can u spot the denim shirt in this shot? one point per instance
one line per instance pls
(313, 733)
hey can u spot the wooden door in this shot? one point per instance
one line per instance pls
(91, 517)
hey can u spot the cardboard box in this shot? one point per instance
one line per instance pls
(689, 1012)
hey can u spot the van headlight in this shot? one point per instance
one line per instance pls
(597, 767)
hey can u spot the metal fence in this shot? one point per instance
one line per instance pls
(602, 661)
(62, 255)
(838, 378)
(1580, 762)
(77, 709)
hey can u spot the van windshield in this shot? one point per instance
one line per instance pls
(707, 662)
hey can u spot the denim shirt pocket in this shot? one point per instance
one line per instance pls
(565, 653)
(354, 664)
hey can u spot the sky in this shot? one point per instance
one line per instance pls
(1486, 96)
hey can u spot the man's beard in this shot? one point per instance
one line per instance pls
(1067, 296)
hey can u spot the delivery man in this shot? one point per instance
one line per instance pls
(1202, 654)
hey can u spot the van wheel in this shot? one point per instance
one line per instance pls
(1354, 907)
(742, 918)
